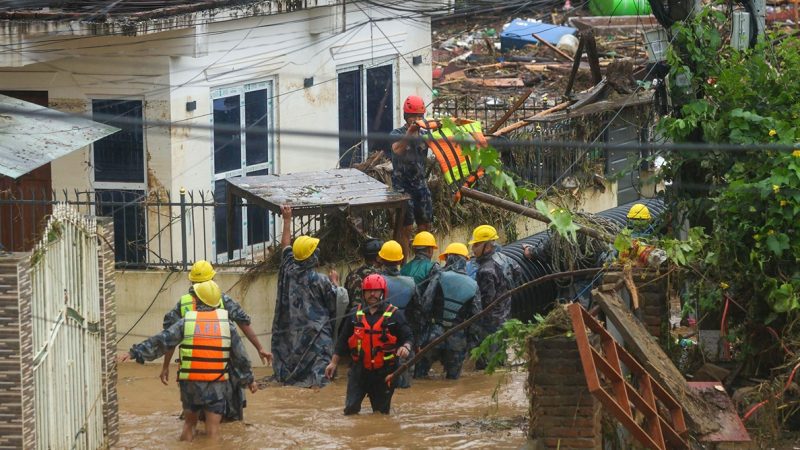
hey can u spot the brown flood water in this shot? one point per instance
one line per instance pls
(432, 413)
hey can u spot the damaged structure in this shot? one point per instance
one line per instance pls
(204, 92)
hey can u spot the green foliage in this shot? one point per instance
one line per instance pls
(749, 200)
(560, 221)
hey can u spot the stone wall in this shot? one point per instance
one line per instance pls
(563, 414)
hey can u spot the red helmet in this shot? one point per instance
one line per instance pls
(375, 282)
(414, 105)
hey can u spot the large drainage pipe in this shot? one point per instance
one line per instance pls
(536, 300)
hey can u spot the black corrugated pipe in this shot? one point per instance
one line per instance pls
(537, 300)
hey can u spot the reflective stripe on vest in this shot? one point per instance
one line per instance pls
(188, 303)
(372, 345)
(418, 269)
(401, 289)
(457, 290)
(453, 163)
(206, 345)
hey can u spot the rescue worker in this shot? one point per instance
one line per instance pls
(497, 274)
(402, 293)
(302, 329)
(451, 298)
(409, 157)
(374, 337)
(421, 268)
(640, 221)
(209, 345)
(369, 250)
(202, 271)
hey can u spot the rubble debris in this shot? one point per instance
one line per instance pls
(645, 349)
(519, 32)
(662, 428)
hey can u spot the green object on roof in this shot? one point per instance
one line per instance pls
(619, 7)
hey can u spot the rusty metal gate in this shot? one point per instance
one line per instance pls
(67, 347)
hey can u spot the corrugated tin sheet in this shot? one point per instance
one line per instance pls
(32, 135)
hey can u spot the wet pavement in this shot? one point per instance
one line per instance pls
(477, 411)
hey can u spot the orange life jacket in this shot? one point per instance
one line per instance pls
(455, 166)
(205, 349)
(373, 345)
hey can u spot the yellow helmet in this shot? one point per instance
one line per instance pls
(639, 211)
(483, 233)
(455, 248)
(424, 239)
(209, 293)
(391, 251)
(201, 271)
(304, 247)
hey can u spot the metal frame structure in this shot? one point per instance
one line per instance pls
(622, 399)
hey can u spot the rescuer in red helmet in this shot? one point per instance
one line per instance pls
(409, 155)
(375, 337)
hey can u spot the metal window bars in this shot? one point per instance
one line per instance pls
(662, 425)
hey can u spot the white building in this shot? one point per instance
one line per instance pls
(193, 71)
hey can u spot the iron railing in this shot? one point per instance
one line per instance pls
(153, 229)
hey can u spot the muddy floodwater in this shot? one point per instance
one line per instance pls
(432, 413)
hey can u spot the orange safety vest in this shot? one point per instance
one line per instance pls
(205, 349)
(455, 166)
(372, 345)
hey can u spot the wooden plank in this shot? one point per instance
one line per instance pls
(497, 82)
(552, 47)
(647, 351)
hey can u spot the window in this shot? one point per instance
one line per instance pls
(119, 176)
(366, 103)
(242, 116)
(119, 157)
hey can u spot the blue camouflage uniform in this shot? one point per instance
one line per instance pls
(237, 401)
(302, 330)
(198, 395)
(408, 176)
(451, 298)
(497, 274)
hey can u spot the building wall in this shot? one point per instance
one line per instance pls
(169, 69)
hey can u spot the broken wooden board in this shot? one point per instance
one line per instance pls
(497, 82)
(643, 346)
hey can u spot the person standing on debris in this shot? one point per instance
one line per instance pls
(203, 271)
(302, 329)
(402, 292)
(209, 347)
(451, 298)
(497, 274)
(374, 336)
(421, 268)
(409, 157)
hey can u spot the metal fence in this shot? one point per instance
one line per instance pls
(67, 329)
(154, 229)
(487, 110)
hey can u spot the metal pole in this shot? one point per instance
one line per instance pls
(183, 227)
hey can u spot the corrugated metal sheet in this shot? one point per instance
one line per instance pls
(32, 135)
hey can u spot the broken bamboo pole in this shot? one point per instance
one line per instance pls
(553, 276)
(524, 122)
(552, 47)
(510, 111)
(528, 212)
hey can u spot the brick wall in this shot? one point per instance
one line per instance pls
(108, 321)
(17, 428)
(653, 298)
(563, 414)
